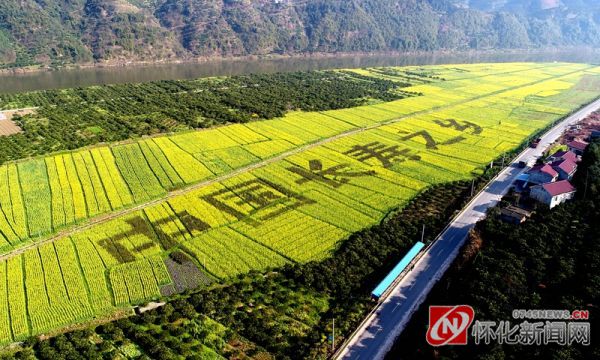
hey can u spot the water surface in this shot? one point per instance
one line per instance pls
(66, 78)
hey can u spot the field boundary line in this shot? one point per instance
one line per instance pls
(175, 193)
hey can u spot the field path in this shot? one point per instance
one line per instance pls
(110, 216)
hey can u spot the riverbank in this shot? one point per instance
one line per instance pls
(272, 57)
(13, 81)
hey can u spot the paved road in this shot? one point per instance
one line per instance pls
(376, 335)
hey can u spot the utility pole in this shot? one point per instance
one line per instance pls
(423, 233)
(333, 336)
(472, 188)
(503, 159)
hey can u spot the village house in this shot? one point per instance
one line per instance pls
(514, 215)
(577, 146)
(541, 174)
(565, 169)
(553, 194)
(563, 155)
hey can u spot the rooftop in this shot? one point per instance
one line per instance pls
(578, 145)
(559, 188)
(565, 154)
(515, 211)
(565, 165)
(545, 168)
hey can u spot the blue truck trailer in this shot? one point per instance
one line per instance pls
(397, 270)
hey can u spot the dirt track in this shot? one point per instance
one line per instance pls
(7, 126)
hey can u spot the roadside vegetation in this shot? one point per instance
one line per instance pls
(549, 262)
(298, 214)
(294, 304)
(284, 314)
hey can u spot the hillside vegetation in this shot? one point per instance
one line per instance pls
(84, 31)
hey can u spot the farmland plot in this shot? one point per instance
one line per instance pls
(299, 208)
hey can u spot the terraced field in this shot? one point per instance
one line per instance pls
(253, 196)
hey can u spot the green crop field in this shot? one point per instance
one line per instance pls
(85, 232)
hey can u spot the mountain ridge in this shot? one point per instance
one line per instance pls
(59, 32)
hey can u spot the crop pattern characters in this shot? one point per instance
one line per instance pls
(86, 232)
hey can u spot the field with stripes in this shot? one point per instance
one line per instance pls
(86, 232)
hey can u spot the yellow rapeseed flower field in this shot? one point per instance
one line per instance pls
(358, 164)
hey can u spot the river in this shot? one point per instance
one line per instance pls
(66, 78)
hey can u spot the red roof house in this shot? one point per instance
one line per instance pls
(565, 169)
(577, 146)
(541, 174)
(563, 155)
(553, 194)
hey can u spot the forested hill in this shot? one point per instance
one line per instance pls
(84, 31)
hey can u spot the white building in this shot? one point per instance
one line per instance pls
(553, 194)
